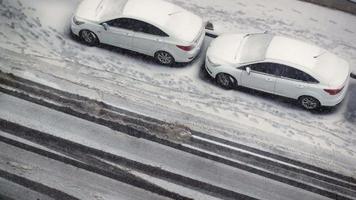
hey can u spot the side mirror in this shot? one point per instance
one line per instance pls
(209, 26)
(248, 70)
(106, 26)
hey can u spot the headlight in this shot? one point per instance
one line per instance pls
(77, 22)
(211, 63)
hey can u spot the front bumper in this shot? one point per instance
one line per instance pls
(209, 68)
(74, 28)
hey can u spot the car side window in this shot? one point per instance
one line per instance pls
(149, 29)
(296, 74)
(267, 68)
(136, 25)
(124, 23)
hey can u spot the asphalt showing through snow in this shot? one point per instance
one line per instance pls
(216, 149)
(220, 175)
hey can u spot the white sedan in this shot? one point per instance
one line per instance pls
(279, 65)
(152, 27)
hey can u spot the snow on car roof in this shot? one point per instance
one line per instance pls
(155, 11)
(259, 47)
(303, 55)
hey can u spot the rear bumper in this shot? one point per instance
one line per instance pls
(184, 56)
(335, 100)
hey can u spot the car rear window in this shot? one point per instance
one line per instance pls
(296, 74)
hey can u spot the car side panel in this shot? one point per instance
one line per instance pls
(117, 37)
(95, 28)
(291, 88)
(258, 81)
(295, 89)
(146, 43)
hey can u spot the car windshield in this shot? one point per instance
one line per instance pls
(253, 48)
(109, 9)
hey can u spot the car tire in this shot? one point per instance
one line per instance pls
(309, 103)
(226, 81)
(164, 58)
(89, 38)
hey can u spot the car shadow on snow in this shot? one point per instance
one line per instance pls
(131, 54)
(275, 99)
(350, 113)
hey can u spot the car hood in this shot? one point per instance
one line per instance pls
(87, 9)
(100, 10)
(224, 47)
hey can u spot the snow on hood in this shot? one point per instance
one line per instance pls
(100, 10)
(224, 48)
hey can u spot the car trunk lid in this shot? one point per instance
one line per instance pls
(185, 26)
(334, 70)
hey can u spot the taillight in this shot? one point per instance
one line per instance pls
(186, 48)
(333, 91)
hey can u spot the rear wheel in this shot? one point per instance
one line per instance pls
(164, 58)
(309, 103)
(89, 37)
(226, 81)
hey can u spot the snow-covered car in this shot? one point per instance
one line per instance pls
(156, 28)
(279, 65)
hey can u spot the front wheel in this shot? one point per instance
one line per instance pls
(89, 37)
(226, 81)
(309, 103)
(164, 58)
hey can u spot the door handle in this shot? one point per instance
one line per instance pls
(299, 86)
(269, 79)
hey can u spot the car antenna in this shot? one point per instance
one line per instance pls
(249, 34)
(173, 13)
(322, 53)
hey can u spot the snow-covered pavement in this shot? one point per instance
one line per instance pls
(75, 182)
(35, 44)
(100, 137)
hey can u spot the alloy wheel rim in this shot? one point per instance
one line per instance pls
(87, 36)
(164, 58)
(224, 80)
(309, 103)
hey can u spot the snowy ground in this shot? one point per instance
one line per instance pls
(35, 44)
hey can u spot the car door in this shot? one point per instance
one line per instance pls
(147, 38)
(293, 83)
(119, 33)
(262, 76)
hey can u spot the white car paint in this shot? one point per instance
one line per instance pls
(182, 27)
(238, 55)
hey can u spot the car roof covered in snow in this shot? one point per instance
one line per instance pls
(301, 55)
(267, 47)
(155, 11)
(173, 19)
